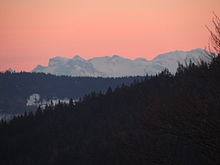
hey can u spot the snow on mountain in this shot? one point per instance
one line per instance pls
(76, 66)
(171, 60)
(116, 66)
(36, 100)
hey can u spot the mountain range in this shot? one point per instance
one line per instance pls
(160, 120)
(117, 66)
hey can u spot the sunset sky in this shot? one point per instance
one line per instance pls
(32, 31)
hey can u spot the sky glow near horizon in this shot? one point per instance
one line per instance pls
(32, 31)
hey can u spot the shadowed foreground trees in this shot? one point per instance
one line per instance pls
(162, 120)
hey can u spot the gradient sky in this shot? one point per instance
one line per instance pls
(32, 31)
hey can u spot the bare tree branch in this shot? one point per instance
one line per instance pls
(214, 45)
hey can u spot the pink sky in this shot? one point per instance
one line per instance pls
(32, 31)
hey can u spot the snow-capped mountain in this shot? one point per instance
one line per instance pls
(116, 66)
(76, 66)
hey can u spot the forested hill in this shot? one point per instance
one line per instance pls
(163, 120)
(16, 88)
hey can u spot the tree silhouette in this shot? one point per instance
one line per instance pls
(215, 35)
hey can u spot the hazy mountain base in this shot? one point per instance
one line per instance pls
(163, 120)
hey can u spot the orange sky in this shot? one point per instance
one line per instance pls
(32, 31)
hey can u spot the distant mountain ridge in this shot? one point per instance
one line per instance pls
(24, 91)
(116, 66)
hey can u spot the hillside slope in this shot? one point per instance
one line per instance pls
(17, 88)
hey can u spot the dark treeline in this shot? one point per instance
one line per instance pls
(15, 88)
(161, 120)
